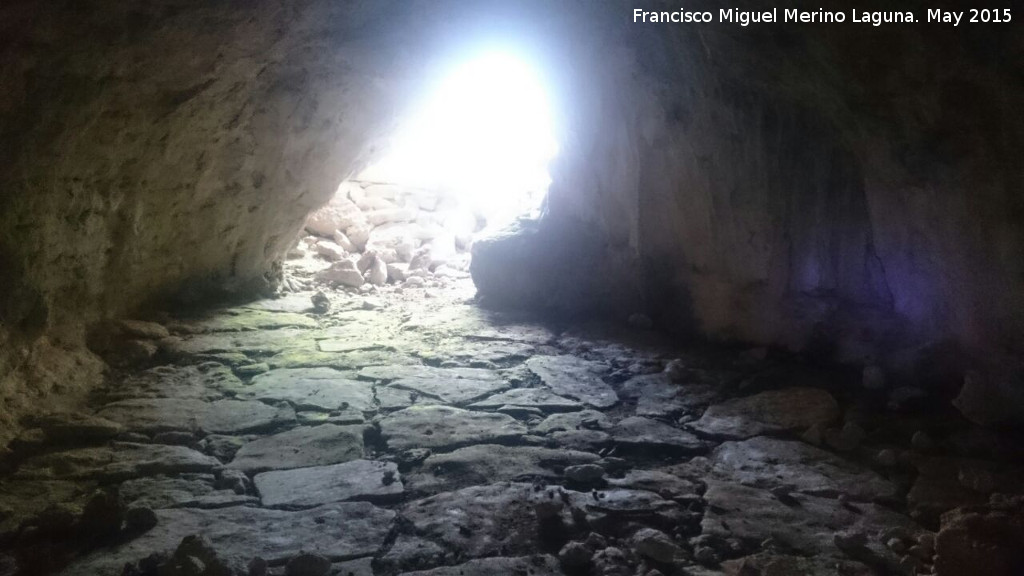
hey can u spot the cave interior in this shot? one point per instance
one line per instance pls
(438, 288)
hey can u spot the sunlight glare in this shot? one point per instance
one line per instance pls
(485, 135)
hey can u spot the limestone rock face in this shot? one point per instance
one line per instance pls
(167, 149)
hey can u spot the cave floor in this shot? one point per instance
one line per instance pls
(408, 430)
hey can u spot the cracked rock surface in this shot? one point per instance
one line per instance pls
(424, 435)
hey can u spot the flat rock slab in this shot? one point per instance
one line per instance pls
(586, 440)
(239, 319)
(806, 525)
(152, 415)
(310, 357)
(23, 500)
(574, 377)
(419, 371)
(74, 427)
(656, 395)
(768, 463)
(295, 302)
(527, 565)
(582, 420)
(311, 388)
(639, 431)
(349, 345)
(789, 409)
(308, 487)
(620, 502)
(444, 426)
(339, 531)
(119, 460)
(206, 381)
(664, 484)
(470, 352)
(471, 321)
(540, 398)
(187, 491)
(478, 521)
(301, 447)
(451, 390)
(766, 563)
(257, 342)
(389, 398)
(946, 483)
(486, 463)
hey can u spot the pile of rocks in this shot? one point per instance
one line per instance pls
(376, 234)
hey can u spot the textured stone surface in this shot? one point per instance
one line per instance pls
(452, 390)
(772, 411)
(533, 565)
(443, 427)
(767, 563)
(982, 540)
(768, 463)
(75, 427)
(308, 487)
(194, 491)
(220, 416)
(645, 432)
(24, 500)
(206, 381)
(520, 474)
(337, 531)
(119, 460)
(317, 388)
(251, 319)
(584, 419)
(486, 463)
(301, 447)
(477, 521)
(420, 372)
(946, 483)
(529, 398)
(736, 511)
(575, 378)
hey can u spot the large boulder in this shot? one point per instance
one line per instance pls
(553, 264)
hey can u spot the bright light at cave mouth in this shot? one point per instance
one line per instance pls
(483, 134)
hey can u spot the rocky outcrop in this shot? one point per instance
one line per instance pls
(165, 149)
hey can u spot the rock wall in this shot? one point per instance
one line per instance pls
(842, 179)
(835, 188)
(163, 148)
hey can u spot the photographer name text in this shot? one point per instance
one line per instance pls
(821, 16)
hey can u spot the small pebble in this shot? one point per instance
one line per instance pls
(926, 540)
(258, 567)
(705, 555)
(896, 545)
(921, 441)
(321, 303)
(641, 321)
(655, 545)
(850, 541)
(575, 555)
(307, 564)
(252, 369)
(140, 519)
(584, 474)
(886, 457)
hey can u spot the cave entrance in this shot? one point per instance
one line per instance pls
(471, 156)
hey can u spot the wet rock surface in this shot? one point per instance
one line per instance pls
(426, 436)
